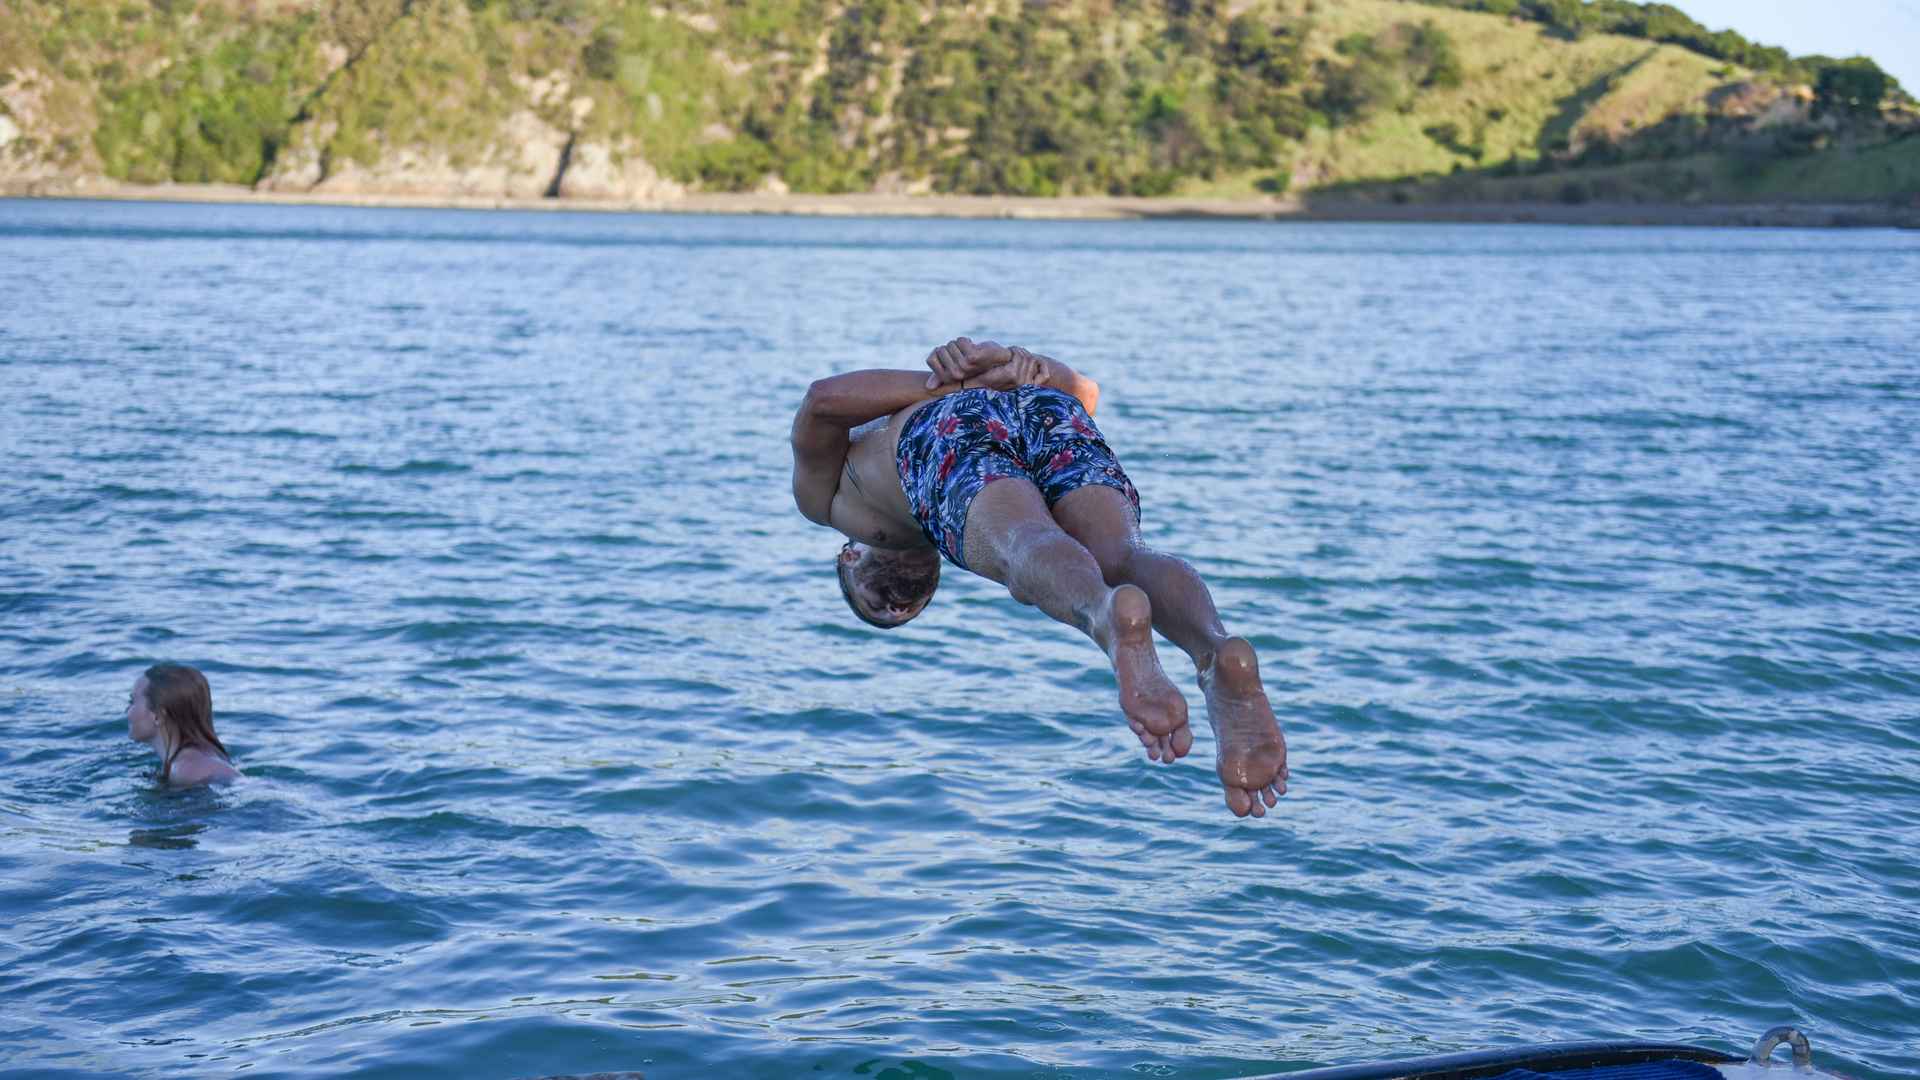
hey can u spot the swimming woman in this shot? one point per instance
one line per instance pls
(171, 710)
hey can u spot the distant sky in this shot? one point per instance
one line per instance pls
(1887, 30)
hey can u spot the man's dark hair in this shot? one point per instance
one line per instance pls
(903, 588)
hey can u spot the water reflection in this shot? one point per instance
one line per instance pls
(909, 1069)
(172, 837)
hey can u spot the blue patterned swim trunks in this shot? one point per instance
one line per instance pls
(959, 444)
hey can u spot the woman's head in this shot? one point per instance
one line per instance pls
(887, 588)
(172, 707)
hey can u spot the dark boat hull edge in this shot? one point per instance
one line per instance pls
(1479, 1064)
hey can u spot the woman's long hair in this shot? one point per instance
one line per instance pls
(179, 696)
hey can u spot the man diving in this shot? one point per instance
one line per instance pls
(993, 462)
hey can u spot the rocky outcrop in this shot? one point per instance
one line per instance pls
(521, 164)
(43, 144)
(599, 171)
(532, 159)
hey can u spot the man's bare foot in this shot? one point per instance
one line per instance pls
(1155, 710)
(1250, 752)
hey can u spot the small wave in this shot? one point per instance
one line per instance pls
(1626, 674)
(447, 600)
(26, 603)
(398, 518)
(1659, 420)
(462, 630)
(433, 467)
(285, 433)
(139, 494)
(440, 826)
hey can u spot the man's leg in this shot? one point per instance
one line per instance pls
(1251, 754)
(1011, 539)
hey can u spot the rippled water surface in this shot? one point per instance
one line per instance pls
(1584, 566)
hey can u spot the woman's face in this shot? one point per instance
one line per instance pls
(142, 725)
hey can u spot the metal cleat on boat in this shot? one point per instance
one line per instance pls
(1763, 1050)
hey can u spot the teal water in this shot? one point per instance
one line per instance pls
(1583, 563)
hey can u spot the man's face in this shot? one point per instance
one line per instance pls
(889, 587)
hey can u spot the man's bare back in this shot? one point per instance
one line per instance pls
(1012, 481)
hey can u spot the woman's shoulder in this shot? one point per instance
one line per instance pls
(195, 766)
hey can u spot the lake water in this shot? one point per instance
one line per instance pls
(1584, 565)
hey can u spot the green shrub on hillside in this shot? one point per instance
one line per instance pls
(600, 59)
(1267, 52)
(1430, 52)
(215, 118)
(1050, 106)
(1353, 92)
(1853, 87)
(736, 165)
(1385, 69)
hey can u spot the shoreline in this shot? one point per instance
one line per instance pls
(1062, 208)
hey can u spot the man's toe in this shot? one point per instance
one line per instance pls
(1181, 740)
(1239, 801)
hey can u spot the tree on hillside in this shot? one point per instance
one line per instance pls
(1351, 93)
(1567, 17)
(1269, 53)
(1432, 56)
(1851, 88)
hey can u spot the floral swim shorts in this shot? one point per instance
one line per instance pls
(959, 444)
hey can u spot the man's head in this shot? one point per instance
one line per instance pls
(886, 588)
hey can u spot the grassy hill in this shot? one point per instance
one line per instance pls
(1361, 99)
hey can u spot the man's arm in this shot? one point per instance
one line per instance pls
(832, 408)
(964, 359)
(1062, 377)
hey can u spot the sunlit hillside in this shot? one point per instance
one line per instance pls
(593, 98)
